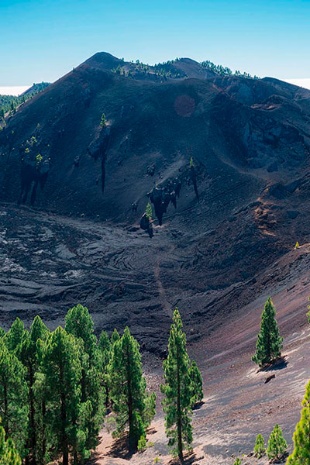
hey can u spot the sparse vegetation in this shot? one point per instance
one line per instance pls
(103, 121)
(168, 69)
(224, 70)
(237, 461)
(269, 342)
(39, 159)
(148, 211)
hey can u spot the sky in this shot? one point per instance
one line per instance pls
(41, 40)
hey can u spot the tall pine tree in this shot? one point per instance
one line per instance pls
(177, 389)
(80, 324)
(269, 342)
(30, 360)
(301, 437)
(61, 367)
(13, 397)
(128, 388)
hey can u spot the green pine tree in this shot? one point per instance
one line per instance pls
(30, 360)
(128, 388)
(103, 121)
(259, 447)
(269, 342)
(149, 211)
(277, 445)
(177, 389)
(15, 338)
(301, 437)
(115, 336)
(80, 324)
(195, 384)
(13, 397)
(62, 370)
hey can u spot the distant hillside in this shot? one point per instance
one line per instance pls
(9, 103)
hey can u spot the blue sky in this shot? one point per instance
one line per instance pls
(41, 40)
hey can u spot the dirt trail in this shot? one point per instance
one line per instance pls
(161, 290)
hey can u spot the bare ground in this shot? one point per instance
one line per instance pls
(238, 403)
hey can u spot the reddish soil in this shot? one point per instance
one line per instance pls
(238, 403)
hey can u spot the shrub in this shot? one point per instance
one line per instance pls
(277, 445)
(259, 448)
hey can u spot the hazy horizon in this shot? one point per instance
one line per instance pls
(18, 90)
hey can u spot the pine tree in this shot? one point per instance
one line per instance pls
(148, 211)
(128, 388)
(195, 384)
(115, 337)
(301, 437)
(30, 360)
(8, 452)
(15, 338)
(259, 447)
(80, 324)
(61, 367)
(177, 389)
(269, 342)
(277, 445)
(13, 397)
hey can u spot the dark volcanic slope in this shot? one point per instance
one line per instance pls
(249, 140)
(238, 131)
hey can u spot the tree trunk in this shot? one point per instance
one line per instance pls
(43, 428)
(6, 410)
(132, 444)
(179, 414)
(32, 425)
(63, 417)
